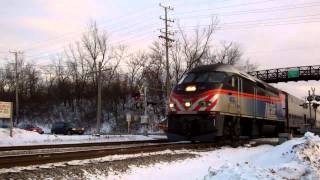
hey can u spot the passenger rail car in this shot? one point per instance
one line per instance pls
(218, 100)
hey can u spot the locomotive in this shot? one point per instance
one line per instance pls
(213, 101)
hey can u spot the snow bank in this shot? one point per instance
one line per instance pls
(294, 159)
(23, 137)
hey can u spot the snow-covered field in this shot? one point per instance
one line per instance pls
(23, 137)
(294, 159)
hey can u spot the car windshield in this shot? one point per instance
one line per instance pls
(58, 124)
(201, 77)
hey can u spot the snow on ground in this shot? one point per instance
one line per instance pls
(23, 137)
(294, 159)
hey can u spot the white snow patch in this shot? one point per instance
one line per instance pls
(294, 159)
(23, 137)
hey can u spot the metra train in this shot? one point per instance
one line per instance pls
(218, 100)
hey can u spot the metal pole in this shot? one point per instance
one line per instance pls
(310, 108)
(17, 85)
(145, 111)
(315, 115)
(11, 120)
(145, 100)
(99, 100)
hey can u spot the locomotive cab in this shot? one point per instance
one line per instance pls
(219, 100)
(193, 106)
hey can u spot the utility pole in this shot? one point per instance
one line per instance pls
(16, 84)
(167, 41)
(309, 98)
(99, 100)
(145, 112)
(99, 96)
(145, 100)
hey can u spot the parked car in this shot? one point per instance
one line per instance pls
(66, 128)
(30, 127)
(4, 126)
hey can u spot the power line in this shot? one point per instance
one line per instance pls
(255, 23)
(120, 30)
(247, 26)
(260, 20)
(225, 7)
(46, 54)
(130, 15)
(122, 17)
(115, 30)
(253, 11)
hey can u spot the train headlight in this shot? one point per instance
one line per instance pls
(187, 104)
(191, 88)
(171, 105)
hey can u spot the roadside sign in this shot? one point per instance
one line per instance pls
(6, 113)
(144, 119)
(128, 117)
(293, 73)
(5, 109)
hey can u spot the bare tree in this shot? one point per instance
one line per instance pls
(230, 53)
(136, 64)
(196, 48)
(96, 48)
(177, 65)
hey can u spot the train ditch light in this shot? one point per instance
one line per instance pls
(191, 88)
(187, 104)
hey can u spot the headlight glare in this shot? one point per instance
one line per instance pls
(187, 104)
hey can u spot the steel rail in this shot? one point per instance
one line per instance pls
(48, 146)
(53, 157)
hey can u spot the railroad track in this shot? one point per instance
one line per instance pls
(52, 155)
(67, 154)
(48, 146)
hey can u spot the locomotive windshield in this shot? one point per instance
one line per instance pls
(203, 77)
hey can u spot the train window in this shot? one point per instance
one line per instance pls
(187, 78)
(247, 86)
(261, 92)
(201, 77)
(216, 77)
(232, 81)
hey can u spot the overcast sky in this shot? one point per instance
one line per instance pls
(272, 33)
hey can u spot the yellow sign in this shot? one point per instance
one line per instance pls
(5, 109)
